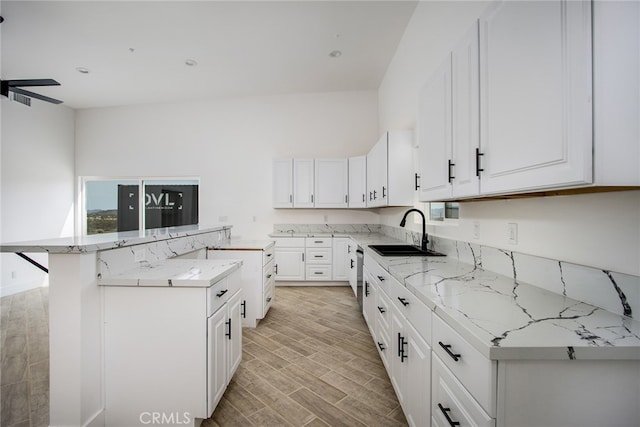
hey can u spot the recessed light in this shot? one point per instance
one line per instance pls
(83, 70)
(190, 62)
(335, 54)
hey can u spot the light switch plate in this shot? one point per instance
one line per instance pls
(512, 229)
(476, 229)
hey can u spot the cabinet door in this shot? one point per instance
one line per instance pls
(331, 183)
(283, 183)
(369, 298)
(234, 333)
(434, 135)
(465, 98)
(353, 270)
(303, 183)
(358, 182)
(341, 258)
(536, 112)
(217, 360)
(418, 380)
(377, 173)
(290, 264)
(398, 357)
(399, 189)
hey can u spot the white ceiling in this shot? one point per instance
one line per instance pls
(136, 51)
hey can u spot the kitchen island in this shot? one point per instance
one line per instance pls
(76, 306)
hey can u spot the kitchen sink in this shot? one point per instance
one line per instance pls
(403, 250)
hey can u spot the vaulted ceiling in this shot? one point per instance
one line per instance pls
(139, 51)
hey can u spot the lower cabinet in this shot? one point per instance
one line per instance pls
(169, 349)
(290, 258)
(257, 280)
(404, 351)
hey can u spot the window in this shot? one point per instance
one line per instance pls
(112, 205)
(444, 210)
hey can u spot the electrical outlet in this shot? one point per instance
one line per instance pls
(512, 229)
(476, 229)
(139, 255)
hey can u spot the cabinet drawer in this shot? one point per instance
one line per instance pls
(450, 397)
(269, 294)
(268, 255)
(383, 313)
(217, 295)
(318, 255)
(477, 373)
(412, 308)
(318, 272)
(289, 242)
(383, 343)
(379, 274)
(267, 272)
(319, 242)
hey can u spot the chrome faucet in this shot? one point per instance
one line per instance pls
(424, 227)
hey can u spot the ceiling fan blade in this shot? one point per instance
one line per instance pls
(35, 95)
(31, 82)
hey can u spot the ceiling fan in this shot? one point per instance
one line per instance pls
(15, 86)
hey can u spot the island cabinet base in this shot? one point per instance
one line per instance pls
(169, 351)
(578, 393)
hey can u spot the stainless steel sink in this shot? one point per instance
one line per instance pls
(403, 250)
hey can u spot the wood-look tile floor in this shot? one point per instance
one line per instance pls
(310, 362)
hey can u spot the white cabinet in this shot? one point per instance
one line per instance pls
(283, 183)
(341, 258)
(303, 183)
(224, 332)
(390, 178)
(257, 280)
(290, 258)
(319, 258)
(369, 301)
(352, 275)
(182, 345)
(536, 95)
(358, 182)
(331, 183)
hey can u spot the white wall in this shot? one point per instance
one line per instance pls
(230, 144)
(600, 230)
(37, 187)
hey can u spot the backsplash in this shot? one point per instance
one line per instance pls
(116, 261)
(326, 228)
(615, 292)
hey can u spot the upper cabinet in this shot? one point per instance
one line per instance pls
(390, 178)
(536, 96)
(282, 183)
(358, 182)
(331, 183)
(303, 183)
(448, 125)
(535, 104)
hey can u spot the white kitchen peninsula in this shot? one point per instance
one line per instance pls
(76, 306)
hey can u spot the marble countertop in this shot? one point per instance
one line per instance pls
(100, 242)
(175, 272)
(505, 319)
(501, 318)
(245, 245)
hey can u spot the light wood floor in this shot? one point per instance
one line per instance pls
(310, 362)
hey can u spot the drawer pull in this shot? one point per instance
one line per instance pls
(381, 346)
(243, 312)
(446, 415)
(319, 273)
(366, 288)
(352, 266)
(228, 323)
(381, 278)
(269, 299)
(381, 309)
(268, 276)
(269, 254)
(219, 294)
(446, 348)
(317, 241)
(403, 301)
(318, 256)
(401, 344)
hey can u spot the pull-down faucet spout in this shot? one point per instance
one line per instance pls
(424, 226)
